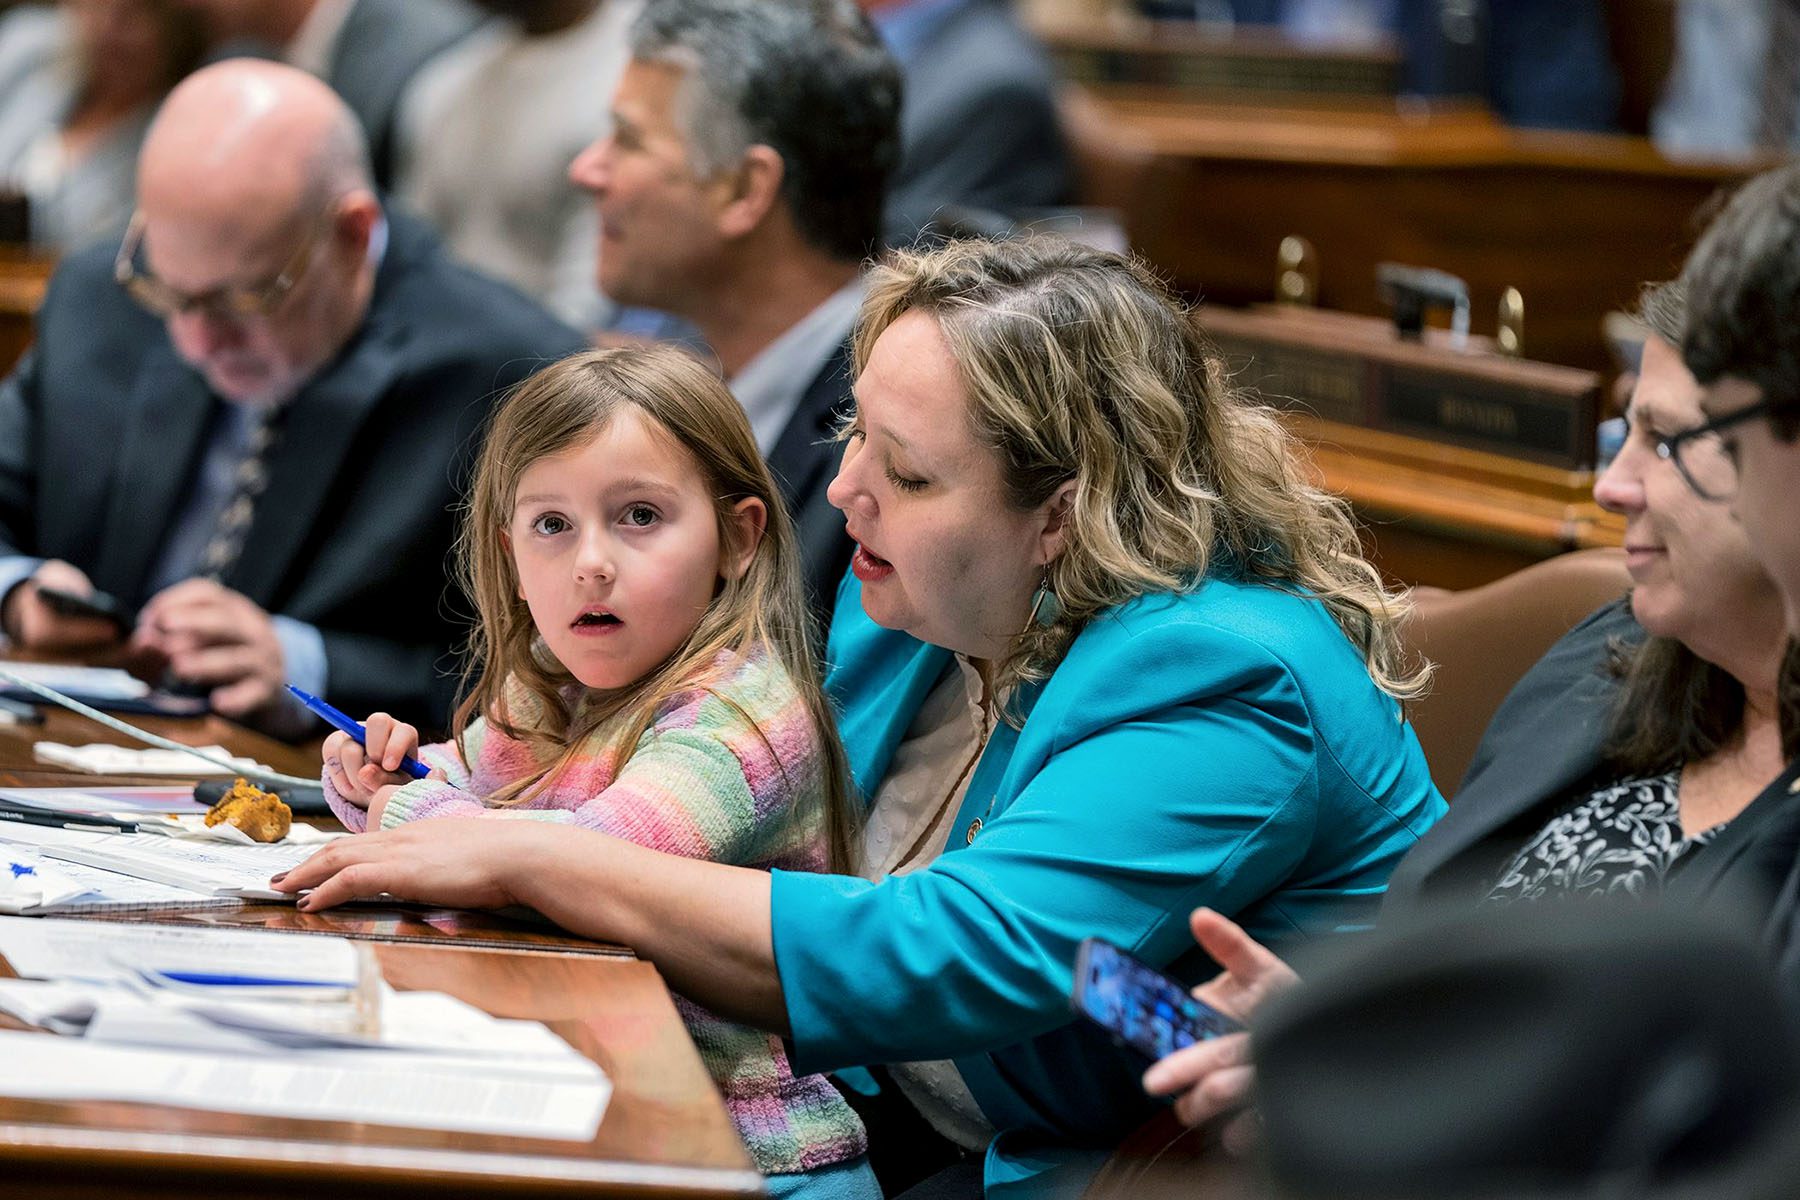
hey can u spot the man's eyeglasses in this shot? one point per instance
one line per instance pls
(228, 303)
(1705, 461)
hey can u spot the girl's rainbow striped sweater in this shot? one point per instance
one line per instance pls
(729, 772)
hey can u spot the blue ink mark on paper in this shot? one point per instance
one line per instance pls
(19, 869)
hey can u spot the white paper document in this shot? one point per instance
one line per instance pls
(213, 868)
(405, 1024)
(193, 827)
(275, 1024)
(565, 1102)
(63, 950)
(31, 883)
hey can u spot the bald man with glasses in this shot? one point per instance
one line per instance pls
(247, 421)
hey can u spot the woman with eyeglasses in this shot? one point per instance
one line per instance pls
(1743, 344)
(1629, 760)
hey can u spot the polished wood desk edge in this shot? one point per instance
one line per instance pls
(1384, 135)
(1370, 338)
(1443, 460)
(55, 1146)
(1534, 533)
(491, 942)
(1471, 494)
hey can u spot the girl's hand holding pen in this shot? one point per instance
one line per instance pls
(360, 772)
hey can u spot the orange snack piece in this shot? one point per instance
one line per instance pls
(261, 815)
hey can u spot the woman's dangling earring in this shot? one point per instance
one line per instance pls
(1046, 607)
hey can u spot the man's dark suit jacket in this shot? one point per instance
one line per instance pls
(804, 460)
(1546, 741)
(978, 123)
(382, 45)
(102, 428)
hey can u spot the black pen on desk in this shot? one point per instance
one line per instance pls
(65, 820)
(350, 725)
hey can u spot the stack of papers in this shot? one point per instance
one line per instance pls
(275, 1025)
(205, 867)
(105, 800)
(32, 885)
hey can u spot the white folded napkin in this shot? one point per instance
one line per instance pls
(102, 759)
(194, 826)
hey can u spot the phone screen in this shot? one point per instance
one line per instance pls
(1139, 1005)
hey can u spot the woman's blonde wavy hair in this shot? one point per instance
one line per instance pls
(1079, 364)
(561, 408)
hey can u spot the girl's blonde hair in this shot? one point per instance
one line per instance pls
(561, 408)
(1080, 365)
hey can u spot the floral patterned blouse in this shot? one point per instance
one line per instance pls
(1623, 839)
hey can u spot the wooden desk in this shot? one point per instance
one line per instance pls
(1575, 221)
(20, 768)
(665, 1133)
(1448, 517)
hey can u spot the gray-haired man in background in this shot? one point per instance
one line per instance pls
(740, 189)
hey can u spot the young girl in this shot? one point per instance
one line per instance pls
(642, 668)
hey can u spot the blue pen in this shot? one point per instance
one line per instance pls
(202, 979)
(337, 720)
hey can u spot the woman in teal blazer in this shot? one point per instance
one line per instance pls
(1127, 661)
(1222, 747)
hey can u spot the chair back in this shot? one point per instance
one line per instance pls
(1483, 639)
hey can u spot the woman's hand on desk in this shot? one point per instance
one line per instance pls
(457, 863)
(1215, 1076)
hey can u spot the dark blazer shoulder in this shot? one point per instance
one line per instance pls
(1547, 736)
(826, 396)
(979, 122)
(804, 461)
(458, 316)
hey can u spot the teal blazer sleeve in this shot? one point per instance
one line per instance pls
(1223, 748)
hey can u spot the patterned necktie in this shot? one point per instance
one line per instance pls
(247, 485)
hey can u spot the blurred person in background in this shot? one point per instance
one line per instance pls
(1733, 89)
(488, 129)
(1545, 64)
(367, 50)
(289, 378)
(740, 189)
(978, 118)
(78, 84)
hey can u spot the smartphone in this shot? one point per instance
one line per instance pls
(98, 604)
(1139, 1005)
